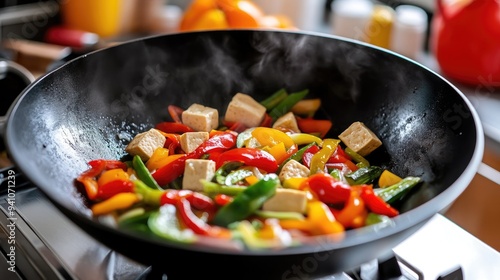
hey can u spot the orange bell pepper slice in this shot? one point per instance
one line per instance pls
(320, 220)
(112, 175)
(313, 126)
(354, 207)
(158, 159)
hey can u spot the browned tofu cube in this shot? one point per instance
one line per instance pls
(201, 118)
(191, 140)
(145, 143)
(360, 139)
(195, 171)
(287, 200)
(246, 110)
(293, 169)
(287, 121)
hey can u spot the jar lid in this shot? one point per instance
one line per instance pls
(411, 16)
(353, 8)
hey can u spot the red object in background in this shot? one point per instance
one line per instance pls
(465, 39)
(70, 37)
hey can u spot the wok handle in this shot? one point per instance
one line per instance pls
(6, 67)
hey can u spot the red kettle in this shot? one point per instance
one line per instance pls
(465, 40)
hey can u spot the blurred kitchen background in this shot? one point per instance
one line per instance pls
(39, 34)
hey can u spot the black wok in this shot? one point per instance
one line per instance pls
(91, 107)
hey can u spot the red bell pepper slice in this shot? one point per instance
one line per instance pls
(327, 189)
(251, 157)
(267, 122)
(222, 199)
(376, 204)
(217, 143)
(100, 165)
(342, 158)
(172, 141)
(114, 187)
(308, 154)
(171, 171)
(87, 178)
(196, 224)
(310, 125)
(175, 113)
(197, 200)
(239, 127)
(339, 156)
(173, 127)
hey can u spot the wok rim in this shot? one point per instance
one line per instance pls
(402, 222)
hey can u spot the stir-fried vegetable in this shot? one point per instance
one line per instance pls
(267, 186)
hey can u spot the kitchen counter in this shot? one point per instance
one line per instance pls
(476, 210)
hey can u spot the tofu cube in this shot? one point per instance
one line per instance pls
(287, 200)
(360, 139)
(191, 140)
(287, 121)
(293, 169)
(201, 118)
(145, 143)
(195, 170)
(245, 110)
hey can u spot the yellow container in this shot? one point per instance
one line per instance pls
(98, 16)
(378, 30)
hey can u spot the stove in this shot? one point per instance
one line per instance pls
(39, 242)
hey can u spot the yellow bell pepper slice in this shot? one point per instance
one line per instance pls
(318, 161)
(112, 175)
(387, 178)
(116, 202)
(267, 136)
(324, 222)
(158, 159)
(305, 138)
(293, 183)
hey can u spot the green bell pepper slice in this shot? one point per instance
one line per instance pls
(296, 156)
(286, 104)
(274, 99)
(247, 202)
(358, 159)
(392, 193)
(164, 223)
(364, 175)
(143, 173)
(212, 188)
